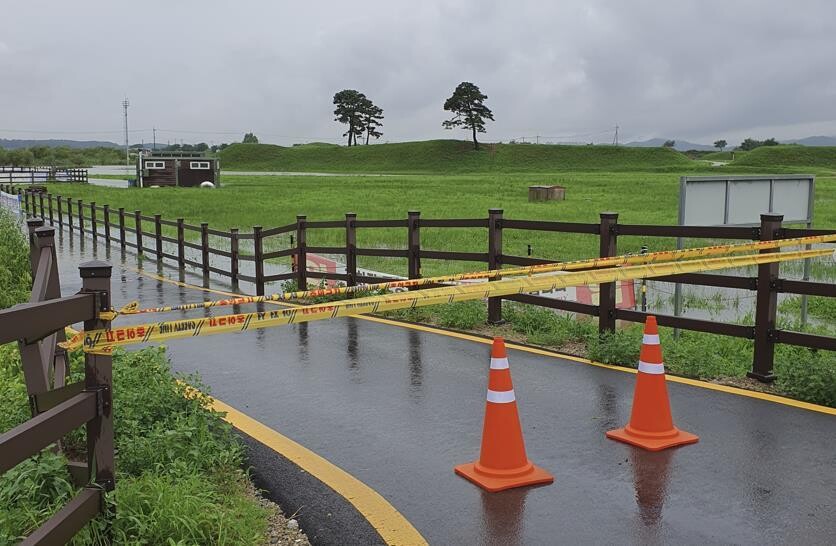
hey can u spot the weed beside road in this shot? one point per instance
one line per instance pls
(805, 374)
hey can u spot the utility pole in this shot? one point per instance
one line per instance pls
(615, 138)
(125, 105)
(154, 146)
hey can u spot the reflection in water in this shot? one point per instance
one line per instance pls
(503, 515)
(607, 408)
(302, 330)
(260, 336)
(351, 346)
(416, 367)
(765, 504)
(650, 476)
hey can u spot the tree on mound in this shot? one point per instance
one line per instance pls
(359, 113)
(467, 103)
(250, 138)
(372, 120)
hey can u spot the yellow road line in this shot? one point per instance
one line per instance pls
(392, 526)
(554, 354)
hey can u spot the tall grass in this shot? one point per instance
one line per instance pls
(15, 280)
(178, 464)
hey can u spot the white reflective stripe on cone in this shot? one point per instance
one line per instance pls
(655, 369)
(501, 397)
(499, 363)
(651, 339)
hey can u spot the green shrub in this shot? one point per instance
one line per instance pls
(806, 374)
(188, 509)
(463, 315)
(707, 356)
(619, 347)
(178, 464)
(15, 406)
(545, 327)
(15, 280)
(30, 493)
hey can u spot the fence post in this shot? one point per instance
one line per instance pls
(606, 292)
(138, 227)
(494, 261)
(158, 237)
(106, 213)
(80, 207)
(70, 214)
(41, 202)
(122, 227)
(233, 250)
(301, 253)
(181, 247)
(93, 228)
(413, 244)
(31, 357)
(766, 305)
(351, 248)
(26, 203)
(60, 212)
(49, 203)
(34, 253)
(204, 247)
(258, 251)
(98, 374)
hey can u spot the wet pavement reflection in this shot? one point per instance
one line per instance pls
(398, 408)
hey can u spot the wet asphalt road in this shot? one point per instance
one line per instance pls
(398, 408)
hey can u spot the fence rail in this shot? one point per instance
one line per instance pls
(80, 216)
(41, 175)
(58, 408)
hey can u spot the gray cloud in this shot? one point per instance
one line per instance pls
(696, 70)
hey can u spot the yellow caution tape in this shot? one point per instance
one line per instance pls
(627, 259)
(103, 341)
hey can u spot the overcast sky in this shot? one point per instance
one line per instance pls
(566, 70)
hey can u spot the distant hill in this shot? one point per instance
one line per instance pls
(448, 156)
(813, 141)
(790, 156)
(12, 144)
(681, 145)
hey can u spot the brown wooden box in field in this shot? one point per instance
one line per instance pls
(546, 193)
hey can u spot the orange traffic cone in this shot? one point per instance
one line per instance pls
(502, 462)
(651, 424)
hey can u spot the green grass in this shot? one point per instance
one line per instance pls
(724, 156)
(15, 279)
(799, 157)
(448, 157)
(244, 201)
(178, 467)
(805, 374)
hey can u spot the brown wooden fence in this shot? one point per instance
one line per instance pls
(58, 408)
(147, 237)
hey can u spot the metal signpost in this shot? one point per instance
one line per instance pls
(739, 201)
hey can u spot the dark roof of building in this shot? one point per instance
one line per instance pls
(180, 155)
